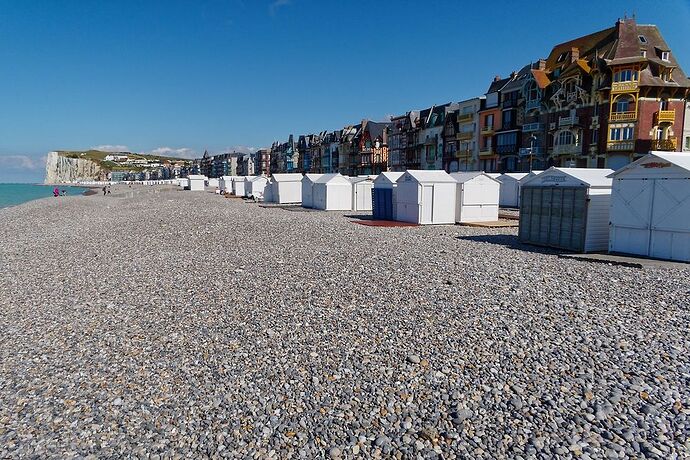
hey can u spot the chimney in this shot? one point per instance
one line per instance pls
(497, 78)
(541, 65)
(513, 74)
(574, 54)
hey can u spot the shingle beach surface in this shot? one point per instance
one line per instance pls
(157, 323)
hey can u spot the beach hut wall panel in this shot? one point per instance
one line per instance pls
(308, 189)
(510, 189)
(286, 188)
(332, 192)
(566, 208)
(225, 184)
(361, 193)
(213, 183)
(477, 197)
(197, 183)
(238, 185)
(426, 197)
(383, 196)
(255, 186)
(650, 207)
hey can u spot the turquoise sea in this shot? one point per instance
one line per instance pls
(14, 194)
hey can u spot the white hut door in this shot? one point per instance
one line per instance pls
(427, 204)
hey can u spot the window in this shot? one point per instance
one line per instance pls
(622, 104)
(489, 121)
(562, 56)
(507, 139)
(687, 143)
(643, 53)
(663, 104)
(642, 38)
(508, 119)
(665, 55)
(565, 138)
(625, 75)
(595, 136)
(622, 134)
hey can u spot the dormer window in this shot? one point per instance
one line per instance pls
(642, 38)
(562, 56)
(643, 53)
(665, 55)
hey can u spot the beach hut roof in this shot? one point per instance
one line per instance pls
(427, 176)
(287, 177)
(462, 177)
(388, 177)
(196, 177)
(592, 177)
(332, 178)
(682, 160)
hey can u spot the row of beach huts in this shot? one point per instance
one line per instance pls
(641, 209)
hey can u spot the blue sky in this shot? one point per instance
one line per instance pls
(184, 76)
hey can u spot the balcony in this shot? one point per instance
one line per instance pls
(487, 130)
(464, 154)
(527, 151)
(665, 145)
(532, 127)
(534, 104)
(620, 146)
(568, 121)
(465, 117)
(464, 136)
(623, 116)
(567, 149)
(664, 116)
(506, 149)
(571, 96)
(623, 86)
(486, 152)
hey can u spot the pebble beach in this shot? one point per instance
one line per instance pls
(155, 323)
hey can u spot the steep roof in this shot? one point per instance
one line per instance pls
(592, 177)
(287, 177)
(388, 177)
(331, 178)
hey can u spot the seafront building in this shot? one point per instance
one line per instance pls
(601, 100)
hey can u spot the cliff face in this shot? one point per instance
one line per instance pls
(62, 169)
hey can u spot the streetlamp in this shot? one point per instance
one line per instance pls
(532, 139)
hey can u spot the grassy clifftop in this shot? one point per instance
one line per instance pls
(98, 156)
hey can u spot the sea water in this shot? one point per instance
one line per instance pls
(14, 194)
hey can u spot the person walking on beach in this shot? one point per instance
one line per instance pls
(56, 192)
(108, 189)
(104, 190)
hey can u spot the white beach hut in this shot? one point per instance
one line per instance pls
(361, 192)
(650, 207)
(308, 189)
(183, 182)
(332, 192)
(225, 184)
(254, 187)
(286, 188)
(213, 182)
(476, 197)
(383, 195)
(238, 185)
(426, 197)
(510, 189)
(197, 183)
(567, 208)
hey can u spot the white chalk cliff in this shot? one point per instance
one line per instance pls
(60, 169)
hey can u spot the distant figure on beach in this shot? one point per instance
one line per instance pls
(108, 189)
(56, 192)
(64, 192)
(104, 190)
